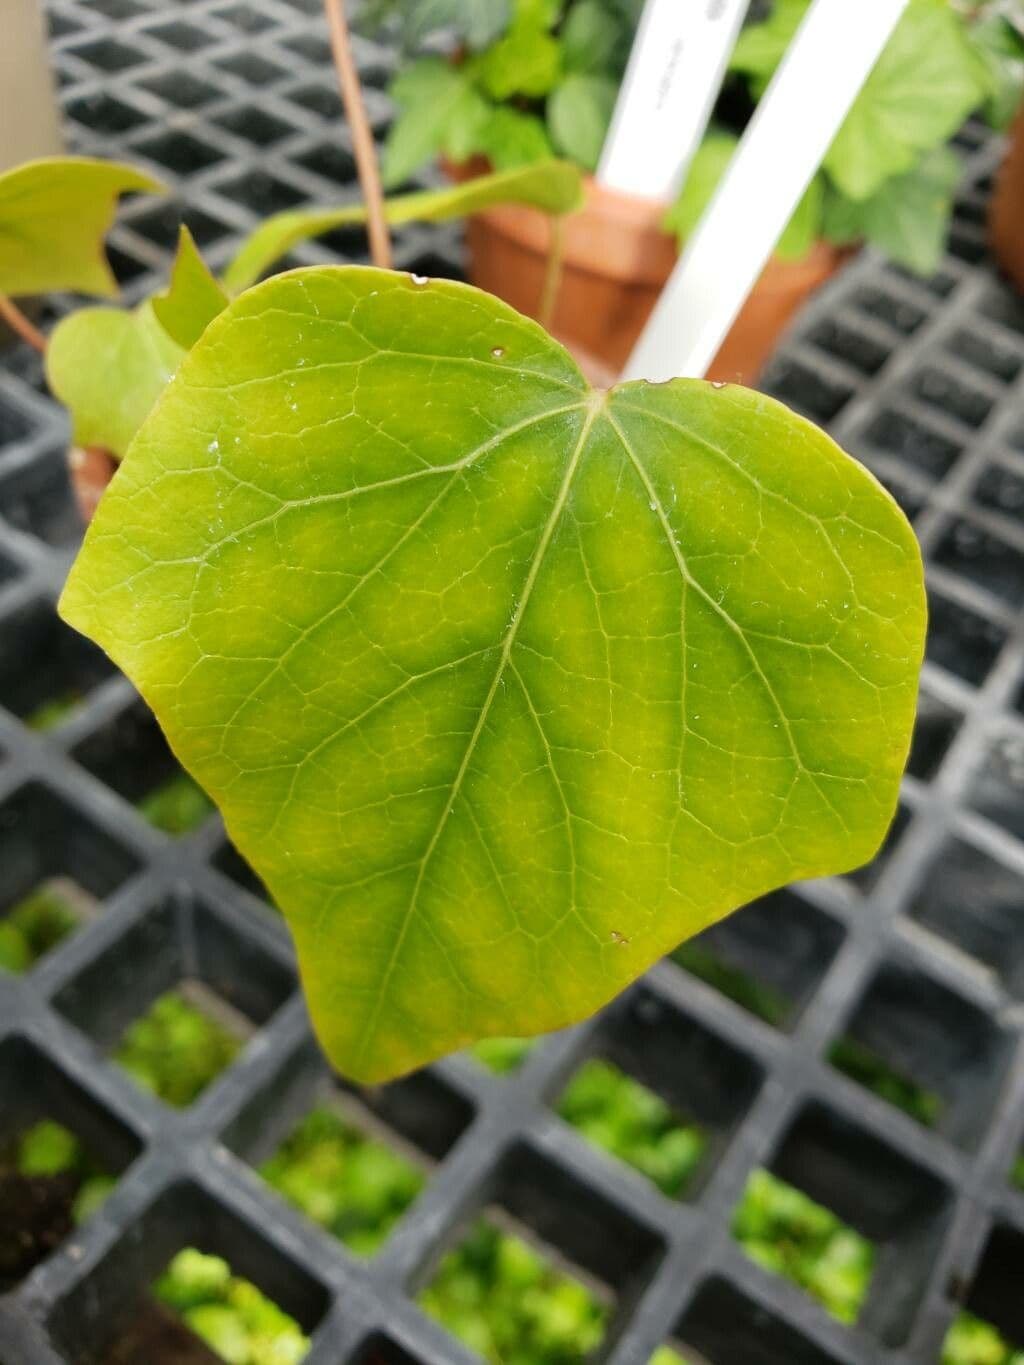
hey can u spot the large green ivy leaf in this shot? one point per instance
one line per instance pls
(504, 685)
(554, 186)
(108, 367)
(54, 215)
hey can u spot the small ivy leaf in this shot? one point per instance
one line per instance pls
(762, 45)
(511, 138)
(193, 298)
(908, 218)
(54, 215)
(998, 43)
(526, 62)
(504, 685)
(108, 367)
(591, 36)
(479, 22)
(553, 186)
(434, 97)
(579, 113)
(923, 86)
(804, 228)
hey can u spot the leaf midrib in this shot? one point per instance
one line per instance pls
(594, 404)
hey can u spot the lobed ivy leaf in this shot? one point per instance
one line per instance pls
(437, 101)
(108, 367)
(504, 685)
(926, 82)
(923, 86)
(998, 44)
(554, 186)
(192, 299)
(512, 138)
(761, 46)
(54, 215)
(908, 218)
(526, 62)
(592, 38)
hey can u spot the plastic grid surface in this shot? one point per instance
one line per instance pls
(233, 102)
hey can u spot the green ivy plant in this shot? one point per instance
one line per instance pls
(543, 80)
(53, 217)
(503, 684)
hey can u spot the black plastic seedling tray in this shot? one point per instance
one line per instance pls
(920, 957)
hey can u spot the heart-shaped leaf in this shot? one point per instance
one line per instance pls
(553, 186)
(108, 367)
(54, 215)
(192, 299)
(504, 685)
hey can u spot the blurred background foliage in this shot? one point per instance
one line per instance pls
(528, 79)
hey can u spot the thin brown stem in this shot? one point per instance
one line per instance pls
(362, 135)
(19, 323)
(552, 272)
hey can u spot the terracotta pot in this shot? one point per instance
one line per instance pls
(1006, 214)
(616, 258)
(91, 468)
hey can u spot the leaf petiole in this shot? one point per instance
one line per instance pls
(20, 324)
(363, 145)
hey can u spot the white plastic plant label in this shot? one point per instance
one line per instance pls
(671, 83)
(810, 95)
